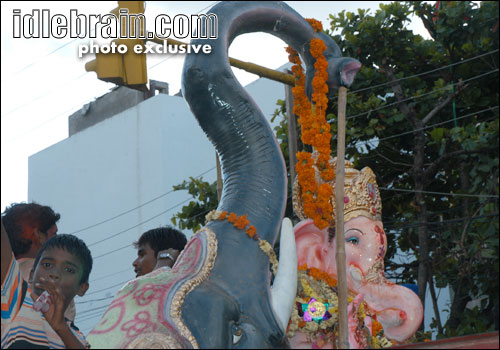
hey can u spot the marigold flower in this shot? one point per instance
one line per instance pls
(376, 327)
(315, 132)
(232, 218)
(251, 231)
(317, 25)
(223, 215)
(241, 222)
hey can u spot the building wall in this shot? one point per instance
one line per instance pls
(113, 181)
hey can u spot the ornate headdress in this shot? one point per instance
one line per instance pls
(361, 194)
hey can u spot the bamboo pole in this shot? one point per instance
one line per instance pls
(339, 215)
(247, 66)
(292, 132)
(219, 177)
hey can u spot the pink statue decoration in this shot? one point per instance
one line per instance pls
(375, 303)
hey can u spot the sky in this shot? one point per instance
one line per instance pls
(44, 81)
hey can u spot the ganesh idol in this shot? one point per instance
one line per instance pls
(380, 313)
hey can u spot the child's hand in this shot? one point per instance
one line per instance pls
(55, 314)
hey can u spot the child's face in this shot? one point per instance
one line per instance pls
(64, 269)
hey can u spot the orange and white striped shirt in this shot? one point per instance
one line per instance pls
(22, 326)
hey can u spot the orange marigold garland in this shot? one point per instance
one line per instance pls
(315, 132)
(241, 222)
(317, 25)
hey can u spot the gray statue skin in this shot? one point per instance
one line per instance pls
(236, 295)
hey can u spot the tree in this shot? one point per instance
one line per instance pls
(423, 114)
(192, 216)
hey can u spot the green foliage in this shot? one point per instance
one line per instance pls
(192, 216)
(460, 155)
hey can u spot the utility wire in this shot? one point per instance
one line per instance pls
(44, 57)
(92, 300)
(442, 222)
(424, 128)
(441, 193)
(44, 123)
(130, 210)
(424, 73)
(45, 94)
(108, 288)
(128, 245)
(139, 224)
(415, 97)
(109, 275)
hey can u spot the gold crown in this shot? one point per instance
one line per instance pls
(361, 194)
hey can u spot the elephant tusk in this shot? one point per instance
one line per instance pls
(284, 287)
(356, 274)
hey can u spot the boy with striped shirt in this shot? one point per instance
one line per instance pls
(62, 267)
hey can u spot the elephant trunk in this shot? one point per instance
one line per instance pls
(397, 308)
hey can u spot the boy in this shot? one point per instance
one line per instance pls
(29, 226)
(157, 248)
(61, 267)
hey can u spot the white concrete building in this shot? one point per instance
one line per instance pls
(112, 181)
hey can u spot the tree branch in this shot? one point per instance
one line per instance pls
(391, 161)
(427, 25)
(460, 87)
(466, 226)
(398, 93)
(432, 168)
(434, 303)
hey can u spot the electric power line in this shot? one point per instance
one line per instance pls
(139, 206)
(416, 223)
(128, 245)
(139, 224)
(427, 127)
(441, 193)
(45, 94)
(109, 275)
(415, 97)
(424, 73)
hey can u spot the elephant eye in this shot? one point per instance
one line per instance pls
(353, 240)
(237, 334)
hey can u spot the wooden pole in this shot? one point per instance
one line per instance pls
(219, 177)
(247, 66)
(339, 215)
(292, 132)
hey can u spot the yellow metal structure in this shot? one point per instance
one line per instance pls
(130, 68)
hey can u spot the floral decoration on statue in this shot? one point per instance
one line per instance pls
(241, 222)
(315, 131)
(315, 312)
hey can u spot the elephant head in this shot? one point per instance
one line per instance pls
(218, 294)
(397, 308)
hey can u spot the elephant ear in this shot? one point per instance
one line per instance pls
(312, 246)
